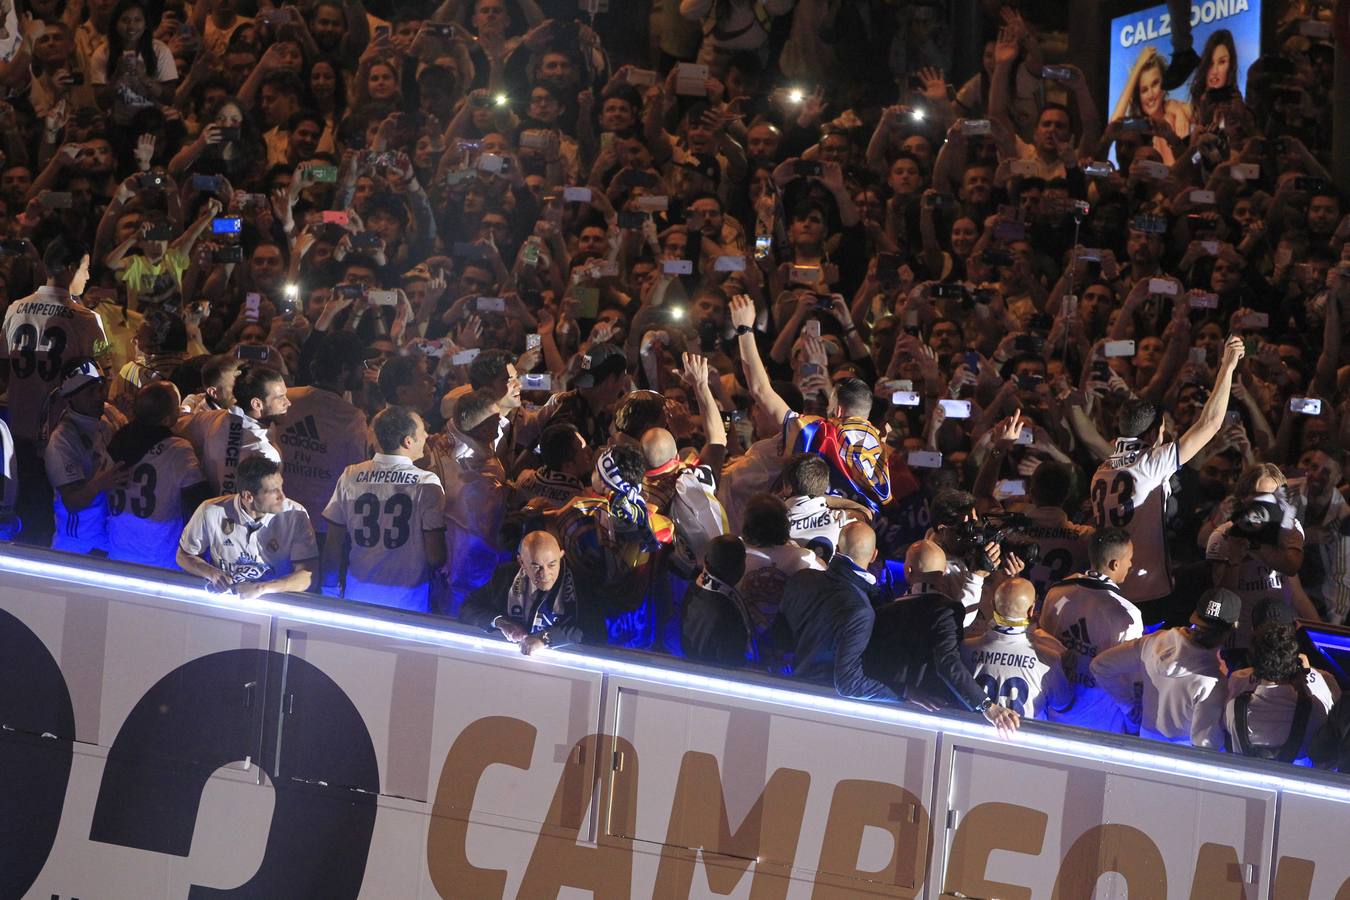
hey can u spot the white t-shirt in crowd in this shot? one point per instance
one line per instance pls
(223, 439)
(386, 503)
(249, 549)
(41, 333)
(1019, 669)
(320, 436)
(145, 516)
(1088, 616)
(1130, 490)
(811, 517)
(165, 68)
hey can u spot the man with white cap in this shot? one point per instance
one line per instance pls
(78, 466)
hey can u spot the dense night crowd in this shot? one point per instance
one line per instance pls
(758, 342)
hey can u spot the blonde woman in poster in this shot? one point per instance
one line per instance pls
(1144, 95)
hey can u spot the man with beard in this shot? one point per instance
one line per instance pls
(323, 433)
(224, 438)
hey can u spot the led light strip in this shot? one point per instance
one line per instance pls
(1080, 749)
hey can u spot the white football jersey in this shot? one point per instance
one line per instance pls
(41, 333)
(223, 439)
(811, 517)
(1183, 695)
(1130, 490)
(1088, 616)
(145, 515)
(1270, 714)
(1064, 546)
(1019, 670)
(76, 450)
(1256, 580)
(249, 549)
(320, 436)
(385, 504)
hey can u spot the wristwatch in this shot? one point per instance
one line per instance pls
(743, 329)
(984, 707)
(545, 639)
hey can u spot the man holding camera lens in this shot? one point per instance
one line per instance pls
(971, 558)
(1131, 487)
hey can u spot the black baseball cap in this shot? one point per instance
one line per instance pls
(1219, 606)
(600, 362)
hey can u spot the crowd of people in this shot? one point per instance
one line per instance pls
(759, 343)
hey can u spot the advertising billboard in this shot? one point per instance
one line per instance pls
(1138, 37)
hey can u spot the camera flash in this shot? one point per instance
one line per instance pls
(795, 95)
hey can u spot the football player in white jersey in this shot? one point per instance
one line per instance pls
(225, 438)
(323, 433)
(1018, 667)
(77, 461)
(255, 542)
(1130, 488)
(815, 518)
(146, 514)
(45, 330)
(395, 514)
(1088, 615)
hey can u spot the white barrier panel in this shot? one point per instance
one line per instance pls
(161, 742)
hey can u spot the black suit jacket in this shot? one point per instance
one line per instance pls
(916, 646)
(489, 601)
(830, 616)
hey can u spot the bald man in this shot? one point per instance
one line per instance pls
(830, 616)
(532, 600)
(1019, 666)
(916, 644)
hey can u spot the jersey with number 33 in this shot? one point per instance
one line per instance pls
(1130, 490)
(385, 504)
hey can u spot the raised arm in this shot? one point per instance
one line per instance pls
(1209, 421)
(756, 376)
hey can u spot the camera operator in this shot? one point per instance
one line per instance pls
(1256, 551)
(957, 529)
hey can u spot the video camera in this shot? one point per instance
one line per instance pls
(1007, 530)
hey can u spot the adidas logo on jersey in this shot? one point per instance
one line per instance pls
(305, 435)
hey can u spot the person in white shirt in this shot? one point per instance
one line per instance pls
(45, 330)
(146, 513)
(1089, 615)
(254, 542)
(1255, 553)
(78, 467)
(814, 517)
(1276, 706)
(323, 433)
(1018, 667)
(395, 514)
(225, 438)
(40, 334)
(1130, 488)
(1184, 692)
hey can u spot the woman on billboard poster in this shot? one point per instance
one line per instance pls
(1214, 83)
(1144, 96)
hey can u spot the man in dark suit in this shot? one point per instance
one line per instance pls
(916, 643)
(830, 616)
(532, 600)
